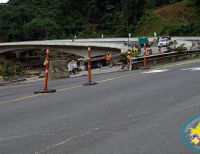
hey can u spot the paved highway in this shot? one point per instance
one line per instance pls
(131, 112)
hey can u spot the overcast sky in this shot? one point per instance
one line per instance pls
(3, 1)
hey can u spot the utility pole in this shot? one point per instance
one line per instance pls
(129, 36)
(127, 23)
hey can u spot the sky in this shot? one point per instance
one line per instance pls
(3, 1)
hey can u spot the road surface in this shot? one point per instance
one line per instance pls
(131, 112)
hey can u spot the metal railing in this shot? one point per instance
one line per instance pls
(167, 58)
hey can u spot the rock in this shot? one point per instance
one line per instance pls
(58, 69)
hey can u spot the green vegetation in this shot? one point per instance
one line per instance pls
(9, 70)
(63, 19)
(179, 19)
(151, 23)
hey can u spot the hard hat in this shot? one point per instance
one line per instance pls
(129, 52)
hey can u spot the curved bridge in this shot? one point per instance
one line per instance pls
(77, 48)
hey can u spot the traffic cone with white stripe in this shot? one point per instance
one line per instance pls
(145, 59)
(46, 63)
(89, 70)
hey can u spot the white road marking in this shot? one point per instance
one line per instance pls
(191, 69)
(67, 140)
(155, 71)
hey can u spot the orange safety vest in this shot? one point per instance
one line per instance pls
(107, 57)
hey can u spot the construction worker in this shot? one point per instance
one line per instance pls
(149, 44)
(131, 50)
(129, 60)
(108, 59)
(149, 51)
(135, 49)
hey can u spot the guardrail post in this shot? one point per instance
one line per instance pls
(89, 70)
(46, 63)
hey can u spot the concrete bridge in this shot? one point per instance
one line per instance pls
(77, 47)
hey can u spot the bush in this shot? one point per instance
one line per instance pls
(192, 2)
(196, 28)
(8, 70)
(178, 29)
(123, 58)
(19, 68)
(148, 16)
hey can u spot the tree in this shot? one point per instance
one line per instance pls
(54, 19)
(39, 29)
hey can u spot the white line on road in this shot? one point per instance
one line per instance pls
(155, 71)
(191, 69)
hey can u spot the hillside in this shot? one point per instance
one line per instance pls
(177, 19)
(64, 19)
(177, 12)
(24, 20)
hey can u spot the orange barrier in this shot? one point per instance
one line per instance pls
(46, 63)
(89, 70)
(145, 54)
(145, 59)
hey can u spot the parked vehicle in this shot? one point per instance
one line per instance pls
(164, 41)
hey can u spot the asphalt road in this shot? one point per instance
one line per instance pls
(132, 112)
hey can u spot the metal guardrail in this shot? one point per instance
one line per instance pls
(167, 58)
(153, 60)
